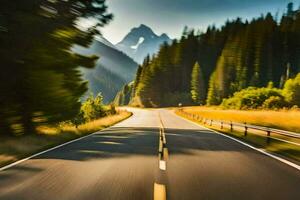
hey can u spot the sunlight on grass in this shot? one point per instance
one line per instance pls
(14, 148)
(257, 139)
(284, 119)
(274, 146)
(103, 123)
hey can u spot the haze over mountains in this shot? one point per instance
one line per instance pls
(112, 71)
(116, 66)
(141, 41)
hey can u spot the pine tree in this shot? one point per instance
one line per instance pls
(197, 85)
(137, 80)
(213, 95)
(233, 57)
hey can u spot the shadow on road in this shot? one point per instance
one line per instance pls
(195, 159)
(120, 142)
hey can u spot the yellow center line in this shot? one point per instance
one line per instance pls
(160, 192)
(160, 146)
(166, 154)
(163, 150)
(164, 138)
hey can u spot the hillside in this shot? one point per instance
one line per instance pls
(113, 69)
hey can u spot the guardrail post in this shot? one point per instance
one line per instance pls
(246, 129)
(268, 138)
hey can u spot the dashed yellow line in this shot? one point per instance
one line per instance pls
(160, 192)
(164, 138)
(160, 146)
(166, 154)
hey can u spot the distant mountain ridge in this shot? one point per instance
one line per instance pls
(113, 70)
(118, 63)
(141, 41)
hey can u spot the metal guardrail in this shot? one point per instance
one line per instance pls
(246, 127)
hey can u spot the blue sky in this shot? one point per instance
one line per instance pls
(170, 16)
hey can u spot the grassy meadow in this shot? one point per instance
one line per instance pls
(283, 119)
(15, 148)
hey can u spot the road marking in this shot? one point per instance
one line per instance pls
(164, 138)
(51, 149)
(161, 122)
(160, 146)
(262, 151)
(166, 154)
(160, 192)
(160, 189)
(162, 165)
(291, 164)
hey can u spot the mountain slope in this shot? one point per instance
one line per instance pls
(113, 70)
(140, 42)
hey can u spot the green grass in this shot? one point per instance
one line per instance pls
(259, 140)
(16, 148)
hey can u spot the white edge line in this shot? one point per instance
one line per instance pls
(248, 145)
(48, 150)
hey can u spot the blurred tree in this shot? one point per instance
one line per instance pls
(40, 81)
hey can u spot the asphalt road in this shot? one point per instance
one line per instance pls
(123, 163)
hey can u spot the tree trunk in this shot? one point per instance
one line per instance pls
(28, 125)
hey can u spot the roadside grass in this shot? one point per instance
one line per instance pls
(16, 148)
(259, 140)
(283, 119)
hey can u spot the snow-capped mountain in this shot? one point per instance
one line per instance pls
(140, 42)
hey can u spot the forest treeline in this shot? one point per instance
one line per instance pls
(40, 81)
(206, 67)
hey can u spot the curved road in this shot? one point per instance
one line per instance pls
(122, 162)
